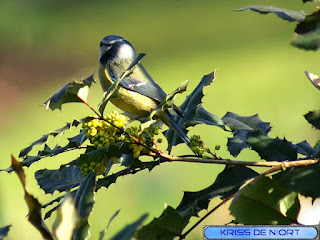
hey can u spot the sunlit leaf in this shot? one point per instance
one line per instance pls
(66, 219)
(71, 92)
(34, 206)
(285, 14)
(265, 202)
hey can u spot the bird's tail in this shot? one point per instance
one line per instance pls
(168, 119)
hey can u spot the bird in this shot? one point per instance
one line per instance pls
(138, 93)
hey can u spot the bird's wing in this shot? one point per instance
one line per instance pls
(141, 82)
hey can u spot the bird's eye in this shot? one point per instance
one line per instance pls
(101, 44)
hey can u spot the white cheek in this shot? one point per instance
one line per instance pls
(126, 51)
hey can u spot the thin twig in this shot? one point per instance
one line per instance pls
(88, 105)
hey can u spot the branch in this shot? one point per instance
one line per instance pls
(273, 164)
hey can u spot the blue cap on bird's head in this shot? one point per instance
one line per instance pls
(115, 48)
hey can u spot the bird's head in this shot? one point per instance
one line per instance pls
(115, 48)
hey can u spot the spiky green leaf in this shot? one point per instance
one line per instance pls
(84, 200)
(59, 180)
(285, 14)
(265, 202)
(75, 91)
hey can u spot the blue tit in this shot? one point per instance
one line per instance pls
(138, 94)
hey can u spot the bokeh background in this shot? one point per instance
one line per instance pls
(45, 44)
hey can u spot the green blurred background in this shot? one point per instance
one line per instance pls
(45, 44)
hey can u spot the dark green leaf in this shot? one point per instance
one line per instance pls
(4, 231)
(103, 232)
(313, 117)
(227, 182)
(265, 202)
(241, 126)
(309, 24)
(304, 148)
(248, 123)
(308, 41)
(304, 180)
(272, 149)
(129, 231)
(71, 92)
(285, 14)
(44, 138)
(192, 114)
(169, 225)
(84, 200)
(314, 79)
(308, 32)
(60, 180)
(237, 143)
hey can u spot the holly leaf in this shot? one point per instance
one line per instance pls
(285, 14)
(304, 180)
(265, 202)
(45, 137)
(305, 149)
(241, 126)
(59, 180)
(194, 113)
(308, 31)
(75, 91)
(129, 231)
(272, 149)
(83, 201)
(313, 117)
(248, 123)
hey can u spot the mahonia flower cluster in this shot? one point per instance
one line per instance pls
(98, 167)
(197, 145)
(146, 136)
(103, 132)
